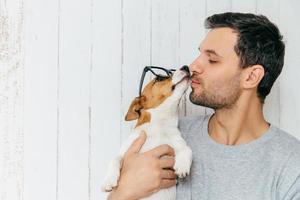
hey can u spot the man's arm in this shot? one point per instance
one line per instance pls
(143, 174)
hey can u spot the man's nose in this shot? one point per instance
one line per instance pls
(197, 65)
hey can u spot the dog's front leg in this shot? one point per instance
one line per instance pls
(114, 167)
(183, 157)
(113, 173)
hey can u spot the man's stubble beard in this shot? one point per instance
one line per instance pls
(218, 97)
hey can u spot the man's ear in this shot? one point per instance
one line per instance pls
(253, 76)
(134, 110)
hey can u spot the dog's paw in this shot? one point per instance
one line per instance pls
(182, 165)
(110, 182)
(181, 169)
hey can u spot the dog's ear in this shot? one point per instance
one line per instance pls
(134, 110)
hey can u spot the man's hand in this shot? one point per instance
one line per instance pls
(144, 173)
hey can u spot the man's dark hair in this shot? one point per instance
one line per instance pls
(259, 42)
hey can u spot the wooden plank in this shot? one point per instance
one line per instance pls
(248, 6)
(135, 54)
(40, 99)
(289, 92)
(11, 99)
(165, 27)
(165, 33)
(217, 6)
(74, 100)
(192, 32)
(106, 90)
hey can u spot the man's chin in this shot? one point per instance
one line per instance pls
(200, 101)
(194, 99)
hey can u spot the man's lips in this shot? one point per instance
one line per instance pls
(195, 81)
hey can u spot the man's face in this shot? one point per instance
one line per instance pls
(216, 71)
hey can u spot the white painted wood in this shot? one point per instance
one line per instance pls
(217, 6)
(248, 6)
(165, 36)
(83, 62)
(192, 32)
(40, 99)
(165, 30)
(289, 92)
(136, 47)
(74, 100)
(106, 90)
(11, 99)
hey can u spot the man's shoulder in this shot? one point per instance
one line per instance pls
(286, 142)
(287, 150)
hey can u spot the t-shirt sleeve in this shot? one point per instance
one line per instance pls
(294, 191)
(289, 184)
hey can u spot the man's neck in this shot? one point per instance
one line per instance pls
(238, 125)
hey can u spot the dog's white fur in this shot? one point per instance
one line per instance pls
(162, 129)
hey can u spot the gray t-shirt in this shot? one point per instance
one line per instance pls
(265, 168)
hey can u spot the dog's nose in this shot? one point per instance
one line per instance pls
(185, 68)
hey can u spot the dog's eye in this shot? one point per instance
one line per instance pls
(160, 78)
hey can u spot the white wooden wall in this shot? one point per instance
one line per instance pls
(69, 69)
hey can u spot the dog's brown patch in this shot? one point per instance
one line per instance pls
(153, 95)
(144, 118)
(156, 92)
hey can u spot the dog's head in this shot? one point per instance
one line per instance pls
(160, 96)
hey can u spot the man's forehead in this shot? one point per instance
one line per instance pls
(220, 41)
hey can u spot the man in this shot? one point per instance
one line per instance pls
(237, 153)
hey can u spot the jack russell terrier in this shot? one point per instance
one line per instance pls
(156, 112)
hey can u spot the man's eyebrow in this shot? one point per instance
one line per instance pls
(210, 51)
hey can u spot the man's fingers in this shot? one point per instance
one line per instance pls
(166, 183)
(167, 162)
(137, 144)
(168, 174)
(162, 150)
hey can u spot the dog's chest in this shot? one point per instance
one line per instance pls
(155, 140)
